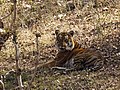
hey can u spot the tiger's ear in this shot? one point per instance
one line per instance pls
(71, 33)
(57, 32)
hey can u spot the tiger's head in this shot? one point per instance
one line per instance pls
(64, 40)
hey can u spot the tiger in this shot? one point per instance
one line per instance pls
(72, 56)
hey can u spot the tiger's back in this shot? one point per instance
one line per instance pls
(88, 59)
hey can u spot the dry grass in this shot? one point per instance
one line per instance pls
(96, 27)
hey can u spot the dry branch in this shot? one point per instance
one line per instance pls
(8, 14)
(18, 70)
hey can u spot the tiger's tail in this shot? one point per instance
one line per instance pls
(49, 64)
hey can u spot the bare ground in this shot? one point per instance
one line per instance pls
(98, 29)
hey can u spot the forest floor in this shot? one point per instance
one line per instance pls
(97, 28)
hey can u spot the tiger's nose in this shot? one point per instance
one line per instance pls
(64, 44)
